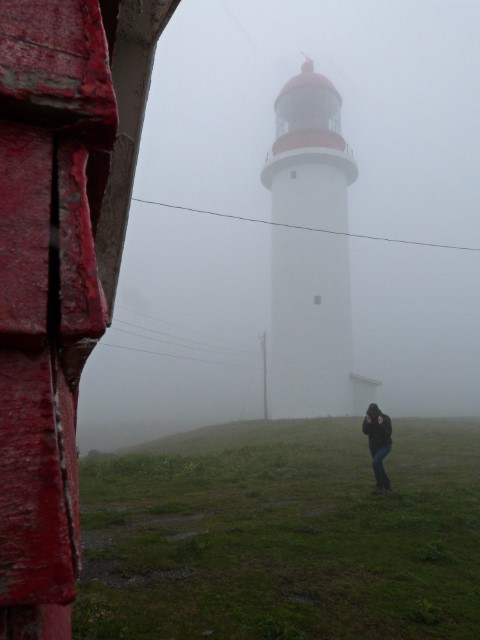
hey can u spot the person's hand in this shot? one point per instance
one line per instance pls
(369, 420)
(380, 419)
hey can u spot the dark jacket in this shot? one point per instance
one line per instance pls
(379, 434)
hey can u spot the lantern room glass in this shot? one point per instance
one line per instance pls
(308, 108)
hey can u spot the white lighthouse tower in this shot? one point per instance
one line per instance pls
(308, 172)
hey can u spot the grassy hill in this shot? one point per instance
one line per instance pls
(269, 530)
(233, 435)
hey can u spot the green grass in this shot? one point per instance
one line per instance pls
(268, 530)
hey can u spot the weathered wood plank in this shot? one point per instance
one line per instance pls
(57, 622)
(55, 63)
(49, 622)
(66, 408)
(82, 304)
(36, 554)
(25, 197)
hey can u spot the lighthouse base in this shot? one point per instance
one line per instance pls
(318, 396)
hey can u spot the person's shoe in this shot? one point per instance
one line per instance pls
(387, 492)
(378, 491)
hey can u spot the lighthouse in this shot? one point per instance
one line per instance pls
(308, 171)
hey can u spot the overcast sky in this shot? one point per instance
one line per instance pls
(409, 75)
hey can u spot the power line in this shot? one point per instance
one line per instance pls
(170, 355)
(169, 335)
(237, 23)
(182, 346)
(314, 229)
(172, 324)
(288, 375)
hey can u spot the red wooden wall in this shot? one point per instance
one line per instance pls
(57, 105)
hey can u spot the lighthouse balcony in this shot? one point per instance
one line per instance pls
(291, 158)
(306, 138)
(348, 150)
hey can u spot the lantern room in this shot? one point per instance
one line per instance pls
(308, 113)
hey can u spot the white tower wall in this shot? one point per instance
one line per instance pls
(311, 340)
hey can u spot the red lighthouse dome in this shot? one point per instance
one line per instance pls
(308, 113)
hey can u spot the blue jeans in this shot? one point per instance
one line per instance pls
(382, 480)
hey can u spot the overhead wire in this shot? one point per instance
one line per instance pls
(235, 20)
(243, 219)
(183, 346)
(171, 355)
(172, 324)
(311, 229)
(169, 335)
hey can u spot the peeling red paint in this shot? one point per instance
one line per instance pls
(54, 72)
(96, 81)
(25, 188)
(36, 556)
(57, 622)
(83, 314)
(58, 60)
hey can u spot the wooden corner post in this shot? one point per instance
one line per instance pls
(57, 106)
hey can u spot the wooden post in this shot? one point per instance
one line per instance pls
(57, 104)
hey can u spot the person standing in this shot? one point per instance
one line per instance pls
(378, 427)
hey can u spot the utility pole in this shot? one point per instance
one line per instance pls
(263, 339)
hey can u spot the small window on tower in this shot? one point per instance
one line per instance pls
(293, 175)
(317, 299)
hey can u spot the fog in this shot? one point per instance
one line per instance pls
(409, 75)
